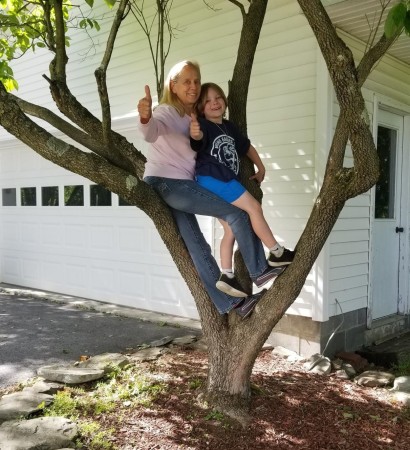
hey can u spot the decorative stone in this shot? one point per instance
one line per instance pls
(21, 404)
(285, 353)
(402, 384)
(105, 362)
(161, 342)
(349, 369)
(70, 374)
(374, 378)
(402, 397)
(322, 366)
(43, 387)
(341, 374)
(200, 345)
(147, 354)
(184, 340)
(40, 433)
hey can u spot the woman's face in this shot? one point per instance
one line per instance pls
(187, 87)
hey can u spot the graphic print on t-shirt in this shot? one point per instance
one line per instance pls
(223, 149)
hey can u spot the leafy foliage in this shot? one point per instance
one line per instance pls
(398, 19)
(25, 25)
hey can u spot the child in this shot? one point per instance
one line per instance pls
(219, 145)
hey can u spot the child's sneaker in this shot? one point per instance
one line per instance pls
(246, 307)
(268, 274)
(284, 260)
(230, 286)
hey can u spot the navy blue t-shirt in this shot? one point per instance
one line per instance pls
(219, 150)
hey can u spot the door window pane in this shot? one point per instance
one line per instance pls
(49, 195)
(28, 196)
(74, 195)
(385, 187)
(99, 196)
(9, 197)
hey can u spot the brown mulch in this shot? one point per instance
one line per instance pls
(291, 408)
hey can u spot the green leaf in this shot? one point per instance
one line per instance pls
(395, 20)
(110, 3)
(90, 3)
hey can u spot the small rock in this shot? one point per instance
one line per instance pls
(43, 387)
(285, 353)
(374, 378)
(161, 342)
(312, 361)
(105, 362)
(402, 397)
(184, 340)
(402, 384)
(342, 374)
(200, 345)
(322, 366)
(21, 404)
(147, 354)
(349, 369)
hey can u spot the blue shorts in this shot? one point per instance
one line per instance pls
(227, 190)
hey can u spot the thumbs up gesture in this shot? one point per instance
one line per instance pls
(195, 129)
(145, 106)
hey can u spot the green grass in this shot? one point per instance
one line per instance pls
(119, 390)
(402, 368)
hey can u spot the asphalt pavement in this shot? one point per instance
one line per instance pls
(38, 328)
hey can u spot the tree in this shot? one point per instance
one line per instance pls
(114, 163)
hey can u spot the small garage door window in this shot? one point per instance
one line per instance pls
(9, 197)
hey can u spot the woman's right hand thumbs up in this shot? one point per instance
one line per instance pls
(145, 106)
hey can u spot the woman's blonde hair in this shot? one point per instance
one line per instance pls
(200, 104)
(168, 97)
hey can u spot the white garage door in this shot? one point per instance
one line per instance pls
(59, 232)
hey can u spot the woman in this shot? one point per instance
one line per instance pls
(170, 171)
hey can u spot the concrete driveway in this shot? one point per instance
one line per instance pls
(38, 328)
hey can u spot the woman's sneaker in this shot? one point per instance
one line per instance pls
(230, 286)
(284, 260)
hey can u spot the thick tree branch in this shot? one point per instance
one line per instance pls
(239, 84)
(136, 158)
(353, 118)
(372, 56)
(101, 72)
(60, 60)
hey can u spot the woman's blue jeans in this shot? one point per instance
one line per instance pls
(187, 198)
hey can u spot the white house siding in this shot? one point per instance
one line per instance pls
(349, 241)
(281, 125)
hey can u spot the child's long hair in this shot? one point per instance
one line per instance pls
(200, 104)
(168, 97)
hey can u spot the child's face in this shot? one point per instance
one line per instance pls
(214, 106)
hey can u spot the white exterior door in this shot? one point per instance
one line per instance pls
(387, 228)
